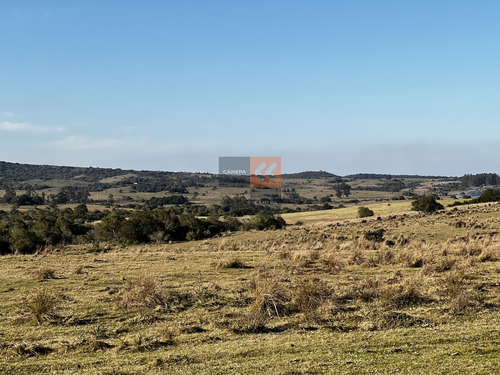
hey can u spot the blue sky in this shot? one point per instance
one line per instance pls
(345, 86)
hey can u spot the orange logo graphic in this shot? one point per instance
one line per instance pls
(265, 172)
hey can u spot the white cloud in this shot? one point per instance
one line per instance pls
(22, 127)
(77, 142)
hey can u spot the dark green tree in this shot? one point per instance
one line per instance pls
(9, 195)
(342, 189)
(23, 241)
(427, 204)
(365, 212)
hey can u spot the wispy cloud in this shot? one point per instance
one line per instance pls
(23, 127)
(77, 142)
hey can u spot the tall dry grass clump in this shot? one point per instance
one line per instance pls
(405, 294)
(144, 292)
(314, 299)
(270, 296)
(46, 273)
(366, 290)
(42, 306)
(459, 292)
(412, 258)
(270, 299)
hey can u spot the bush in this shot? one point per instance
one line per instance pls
(489, 195)
(375, 235)
(365, 212)
(427, 204)
(267, 221)
(24, 241)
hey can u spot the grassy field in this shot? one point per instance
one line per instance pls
(319, 298)
(351, 212)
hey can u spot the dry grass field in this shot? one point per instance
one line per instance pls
(333, 295)
(351, 212)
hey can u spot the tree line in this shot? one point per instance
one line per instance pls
(67, 194)
(480, 179)
(33, 230)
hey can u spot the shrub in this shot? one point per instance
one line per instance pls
(267, 221)
(365, 212)
(489, 195)
(24, 241)
(375, 235)
(427, 204)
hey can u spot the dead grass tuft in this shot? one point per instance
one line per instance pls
(356, 257)
(46, 273)
(29, 350)
(42, 306)
(311, 298)
(232, 263)
(408, 293)
(144, 292)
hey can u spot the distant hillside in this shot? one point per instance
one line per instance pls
(15, 172)
(98, 179)
(310, 175)
(378, 176)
